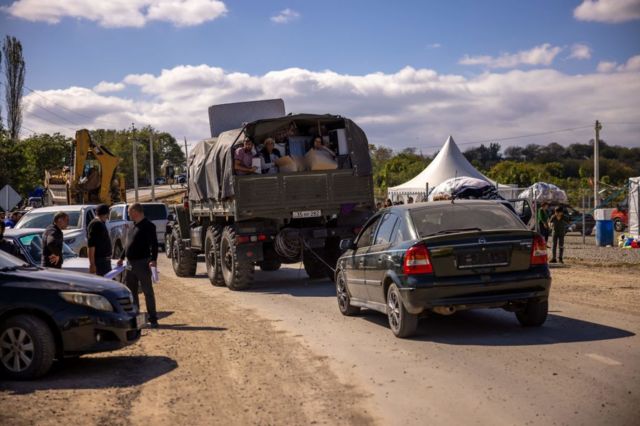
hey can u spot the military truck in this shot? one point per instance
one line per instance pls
(239, 222)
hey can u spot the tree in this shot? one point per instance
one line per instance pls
(484, 157)
(39, 153)
(14, 71)
(399, 169)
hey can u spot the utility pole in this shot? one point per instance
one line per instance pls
(135, 162)
(596, 164)
(153, 174)
(186, 156)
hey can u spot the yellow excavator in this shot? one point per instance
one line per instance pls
(91, 180)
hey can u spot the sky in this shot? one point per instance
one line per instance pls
(410, 73)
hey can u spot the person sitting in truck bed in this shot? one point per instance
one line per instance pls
(319, 146)
(243, 158)
(269, 154)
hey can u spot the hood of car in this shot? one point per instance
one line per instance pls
(63, 280)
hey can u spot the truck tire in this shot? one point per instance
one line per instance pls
(534, 313)
(212, 256)
(168, 243)
(270, 265)
(313, 266)
(402, 323)
(184, 262)
(237, 273)
(34, 349)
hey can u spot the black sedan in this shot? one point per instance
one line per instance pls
(444, 257)
(48, 314)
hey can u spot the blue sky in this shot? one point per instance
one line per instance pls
(349, 38)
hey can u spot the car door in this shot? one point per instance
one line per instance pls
(378, 258)
(355, 262)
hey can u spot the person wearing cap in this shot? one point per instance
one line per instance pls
(99, 242)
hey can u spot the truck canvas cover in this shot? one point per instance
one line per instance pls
(216, 163)
(197, 177)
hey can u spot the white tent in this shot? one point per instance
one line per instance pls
(449, 163)
(634, 206)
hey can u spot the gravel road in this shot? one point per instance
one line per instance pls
(282, 354)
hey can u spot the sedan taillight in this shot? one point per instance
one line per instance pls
(539, 251)
(417, 261)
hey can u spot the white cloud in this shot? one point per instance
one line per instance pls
(285, 16)
(434, 46)
(411, 107)
(580, 51)
(609, 11)
(632, 65)
(539, 55)
(106, 87)
(119, 13)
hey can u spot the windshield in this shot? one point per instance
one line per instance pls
(434, 219)
(43, 219)
(33, 244)
(155, 211)
(8, 261)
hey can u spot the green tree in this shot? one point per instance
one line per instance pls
(39, 153)
(14, 72)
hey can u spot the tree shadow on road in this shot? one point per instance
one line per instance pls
(500, 328)
(96, 373)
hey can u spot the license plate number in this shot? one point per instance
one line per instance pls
(306, 213)
(141, 319)
(486, 258)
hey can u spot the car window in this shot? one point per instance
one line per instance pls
(33, 244)
(430, 220)
(401, 232)
(115, 213)
(8, 261)
(90, 217)
(155, 211)
(35, 219)
(383, 236)
(366, 235)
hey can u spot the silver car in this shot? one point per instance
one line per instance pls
(119, 224)
(76, 233)
(27, 245)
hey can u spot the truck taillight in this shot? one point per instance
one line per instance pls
(417, 261)
(539, 250)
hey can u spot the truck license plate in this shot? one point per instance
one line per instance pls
(307, 213)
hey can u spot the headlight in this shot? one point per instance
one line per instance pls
(94, 301)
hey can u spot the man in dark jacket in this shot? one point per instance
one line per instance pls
(141, 253)
(558, 223)
(99, 243)
(52, 241)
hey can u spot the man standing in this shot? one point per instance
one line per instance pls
(6, 246)
(11, 221)
(558, 223)
(99, 243)
(52, 241)
(142, 253)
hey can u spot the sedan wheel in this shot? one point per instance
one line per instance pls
(402, 323)
(27, 347)
(17, 349)
(344, 300)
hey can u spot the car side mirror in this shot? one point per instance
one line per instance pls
(171, 217)
(347, 244)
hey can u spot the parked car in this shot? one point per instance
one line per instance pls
(620, 215)
(161, 181)
(48, 314)
(27, 245)
(119, 224)
(575, 221)
(76, 233)
(182, 178)
(444, 257)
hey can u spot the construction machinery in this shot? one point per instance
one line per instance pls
(91, 179)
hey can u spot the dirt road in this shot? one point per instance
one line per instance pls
(282, 354)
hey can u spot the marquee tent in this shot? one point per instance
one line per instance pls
(449, 163)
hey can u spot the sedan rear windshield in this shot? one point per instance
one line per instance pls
(155, 211)
(44, 219)
(431, 220)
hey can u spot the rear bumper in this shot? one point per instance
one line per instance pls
(471, 296)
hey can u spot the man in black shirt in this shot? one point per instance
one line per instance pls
(99, 243)
(5, 245)
(141, 253)
(52, 240)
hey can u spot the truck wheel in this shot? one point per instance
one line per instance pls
(212, 256)
(168, 245)
(313, 266)
(618, 225)
(27, 347)
(184, 262)
(402, 323)
(344, 300)
(534, 313)
(270, 265)
(237, 273)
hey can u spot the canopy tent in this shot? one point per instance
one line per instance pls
(634, 206)
(449, 163)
